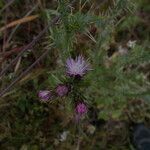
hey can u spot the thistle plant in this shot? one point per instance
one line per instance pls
(75, 70)
(115, 78)
(85, 61)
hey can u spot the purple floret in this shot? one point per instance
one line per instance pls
(77, 67)
(81, 109)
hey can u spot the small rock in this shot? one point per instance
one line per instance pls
(63, 136)
(131, 44)
(141, 137)
(91, 129)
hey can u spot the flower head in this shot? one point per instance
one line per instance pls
(45, 95)
(77, 67)
(81, 109)
(62, 90)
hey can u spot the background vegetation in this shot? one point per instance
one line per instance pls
(112, 34)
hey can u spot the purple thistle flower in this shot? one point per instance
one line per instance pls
(62, 90)
(45, 95)
(77, 67)
(81, 109)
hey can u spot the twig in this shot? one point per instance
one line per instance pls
(7, 5)
(29, 45)
(23, 73)
(11, 34)
(78, 144)
(19, 21)
(7, 54)
(4, 42)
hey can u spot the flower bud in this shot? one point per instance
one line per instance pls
(44, 95)
(62, 90)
